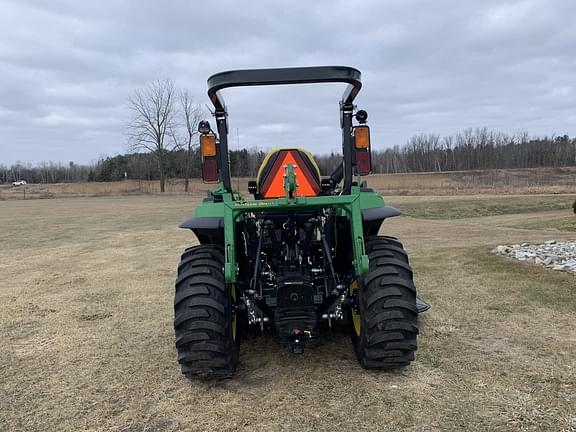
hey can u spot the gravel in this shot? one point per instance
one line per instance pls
(557, 255)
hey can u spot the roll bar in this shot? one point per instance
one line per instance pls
(297, 75)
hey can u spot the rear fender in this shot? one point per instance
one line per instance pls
(372, 218)
(208, 230)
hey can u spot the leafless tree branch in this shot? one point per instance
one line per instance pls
(153, 114)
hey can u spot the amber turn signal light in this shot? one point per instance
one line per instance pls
(208, 145)
(362, 137)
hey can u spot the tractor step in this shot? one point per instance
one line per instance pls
(421, 305)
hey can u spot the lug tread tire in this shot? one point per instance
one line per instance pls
(211, 255)
(203, 315)
(378, 239)
(387, 302)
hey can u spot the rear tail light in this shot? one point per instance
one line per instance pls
(209, 160)
(363, 162)
(210, 170)
(362, 150)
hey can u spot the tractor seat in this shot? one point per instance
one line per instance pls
(270, 179)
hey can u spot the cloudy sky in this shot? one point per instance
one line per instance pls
(68, 66)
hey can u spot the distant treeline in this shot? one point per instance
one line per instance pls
(468, 150)
(476, 149)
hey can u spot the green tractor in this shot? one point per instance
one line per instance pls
(301, 254)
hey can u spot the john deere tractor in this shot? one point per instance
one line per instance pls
(301, 254)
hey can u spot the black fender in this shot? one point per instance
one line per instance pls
(208, 230)
(211, 229)
(372, 218)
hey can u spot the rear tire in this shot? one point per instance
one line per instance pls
(387, 246)
(204, 315)
(384, 324)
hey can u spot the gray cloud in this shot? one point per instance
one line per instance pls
(67, 68)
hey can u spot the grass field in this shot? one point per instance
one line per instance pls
(87, 343)
(497, 181)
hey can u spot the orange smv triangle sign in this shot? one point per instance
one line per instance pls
(276, 188)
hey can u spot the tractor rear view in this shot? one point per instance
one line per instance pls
(304, 249)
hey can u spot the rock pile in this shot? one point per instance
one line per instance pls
(558, 255)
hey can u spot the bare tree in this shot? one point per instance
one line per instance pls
(191, 115)
(153, 118)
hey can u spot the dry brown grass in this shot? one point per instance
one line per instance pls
(87, 340)
(128, 187)
(512, 181)
(518, 181)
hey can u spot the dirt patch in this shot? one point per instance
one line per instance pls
(31, 346)
(38, 311)
(94, 316)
